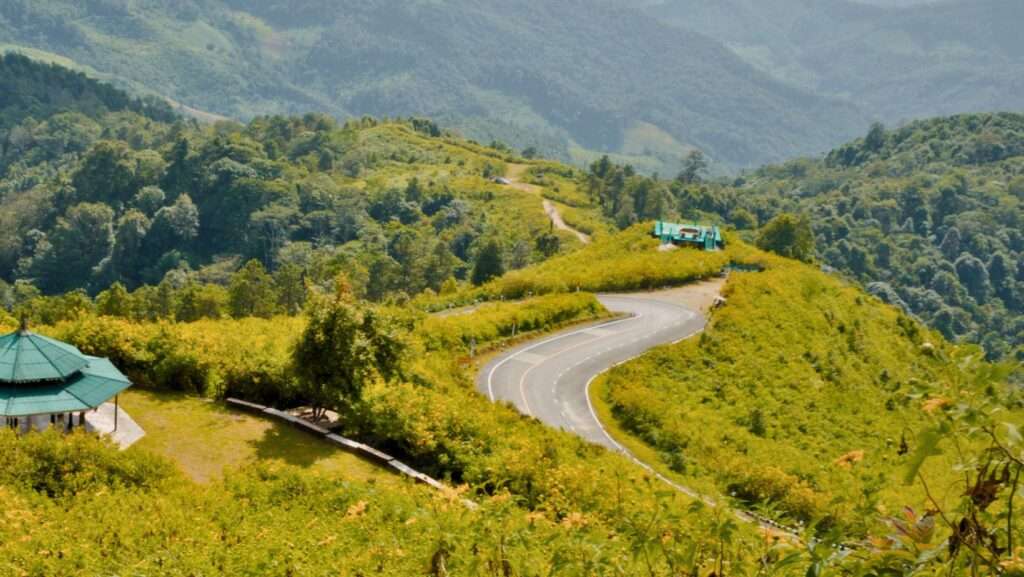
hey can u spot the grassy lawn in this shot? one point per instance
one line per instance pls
(206, 439)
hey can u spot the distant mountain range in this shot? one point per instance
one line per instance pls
(747, 81)
(904, 60)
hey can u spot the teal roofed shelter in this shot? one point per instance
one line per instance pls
(44, 382)
(695, 235)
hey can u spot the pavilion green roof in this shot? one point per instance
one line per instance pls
(39, 375)
(26, 357)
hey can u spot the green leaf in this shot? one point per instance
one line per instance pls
(927, 446)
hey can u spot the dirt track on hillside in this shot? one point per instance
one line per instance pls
(515, 175)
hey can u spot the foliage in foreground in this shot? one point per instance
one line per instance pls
(126, 512)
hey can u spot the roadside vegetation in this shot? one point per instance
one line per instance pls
(803, 396)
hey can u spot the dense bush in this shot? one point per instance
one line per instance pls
(68, 466)
(628, 261)
(246, 358)
(490, 322)
(76, 505)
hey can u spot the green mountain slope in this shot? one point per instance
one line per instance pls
(119, 194)
(796, 397)
(527, 72)
(928, 216)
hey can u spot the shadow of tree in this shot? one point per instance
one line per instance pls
(282, 443)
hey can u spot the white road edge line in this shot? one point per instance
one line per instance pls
(490, 374)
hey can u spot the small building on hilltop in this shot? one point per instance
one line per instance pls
(45, 383)
(694, 235)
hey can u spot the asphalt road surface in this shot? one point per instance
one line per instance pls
(548, 379)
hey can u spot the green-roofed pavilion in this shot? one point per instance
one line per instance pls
(46, 382)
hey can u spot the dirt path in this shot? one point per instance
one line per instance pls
(515, 173)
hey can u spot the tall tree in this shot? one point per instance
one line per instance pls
(788, 235)
(81, 239)
(251, 292)
(345, 347)
(695, 167)
(489, 263)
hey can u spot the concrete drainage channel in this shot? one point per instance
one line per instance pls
(347, 444)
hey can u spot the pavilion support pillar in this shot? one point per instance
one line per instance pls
(116, 410)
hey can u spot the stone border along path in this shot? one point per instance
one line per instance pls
(349, 445)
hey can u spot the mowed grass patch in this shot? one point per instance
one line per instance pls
(206, 439)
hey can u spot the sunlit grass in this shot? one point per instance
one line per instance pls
(206, 439)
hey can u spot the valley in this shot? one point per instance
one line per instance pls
(618, 277)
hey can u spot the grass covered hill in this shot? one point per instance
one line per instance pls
(801, 395)
(547, 500)
(525, 72)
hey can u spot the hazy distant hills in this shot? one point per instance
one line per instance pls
(747, 81)
(895, 60)
(573, 76)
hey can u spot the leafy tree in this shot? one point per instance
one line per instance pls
(743, 219)
(148, 200)
(173, 227)
(695, 167)
(441, 266)
(489, 262)
(251, 292)
(196, 301)
(107, 174)
(115, 301)
(519, 256)
(344, 347)
(950, 246)
(999, 269)
(974, 276)
(386, 276)
(875, 139)
(548, 244)
(290, 284)
(788, 235)
(128, 258)
(80, 240)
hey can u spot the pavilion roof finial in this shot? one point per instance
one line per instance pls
(23, 323)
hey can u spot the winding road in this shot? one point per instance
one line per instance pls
(549, 379)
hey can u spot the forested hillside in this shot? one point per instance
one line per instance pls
(39, 92)
(527, 72)
(930, 217)
(115, 196)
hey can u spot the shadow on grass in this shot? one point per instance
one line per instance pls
(282, 443)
